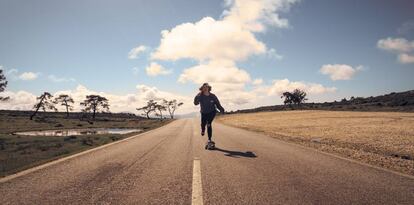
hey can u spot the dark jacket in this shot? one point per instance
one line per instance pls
(208, 103)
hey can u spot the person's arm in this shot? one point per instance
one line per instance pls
(197, 99)
(218, 104)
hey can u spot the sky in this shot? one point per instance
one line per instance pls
(250, 51)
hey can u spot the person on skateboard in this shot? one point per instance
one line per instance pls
(209, 103)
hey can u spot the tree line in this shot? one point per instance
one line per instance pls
(91, 104)
(158, 107)
(96, 103)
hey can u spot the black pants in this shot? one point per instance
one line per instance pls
(206, 120)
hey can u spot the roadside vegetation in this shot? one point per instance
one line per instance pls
(18, 152)
(395, 101)
(383, 139)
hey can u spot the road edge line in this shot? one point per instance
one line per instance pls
(53, 162)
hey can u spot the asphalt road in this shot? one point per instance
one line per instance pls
(247, 168)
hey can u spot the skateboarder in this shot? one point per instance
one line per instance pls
(209, 103)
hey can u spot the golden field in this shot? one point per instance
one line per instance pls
(384, 139)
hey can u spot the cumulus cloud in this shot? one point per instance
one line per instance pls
(401, 46)
(155, 69)
(339, 71)
(208, 39)
(28, 76)
(218, 44)
(23, 100)
(284, 85)
(20, 100)
(396, 44)
(215, 72)
(405, 58)
(133, 54)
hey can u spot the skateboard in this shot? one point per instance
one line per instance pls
(210, 145)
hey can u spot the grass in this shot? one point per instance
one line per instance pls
(19, 152)
(384, 139)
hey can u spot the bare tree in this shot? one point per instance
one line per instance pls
(94, 104)
(149, 108)
(66, 101)
(44, 103)
(171, 106)
(3, 85)
(160, 108)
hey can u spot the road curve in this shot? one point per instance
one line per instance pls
(247, 168)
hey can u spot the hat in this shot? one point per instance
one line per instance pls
(205, 84)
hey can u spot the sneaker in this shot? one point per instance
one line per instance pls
(202, 133)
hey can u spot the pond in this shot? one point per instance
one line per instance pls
(71, 132)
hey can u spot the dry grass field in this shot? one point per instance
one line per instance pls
(384, 139)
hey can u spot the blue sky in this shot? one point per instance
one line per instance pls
(58, 46)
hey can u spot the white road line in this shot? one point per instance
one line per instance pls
(197, 195)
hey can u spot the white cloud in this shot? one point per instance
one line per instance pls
(219, 44)
(133, 54)
(20, 100)
(284, 85)
(339, 71)
(405, 58)
(208, 39)
(59, 79)
(401, 46)
(214, 72)
(396, 44)
(155, 69)
(28, 76)
(229, 38)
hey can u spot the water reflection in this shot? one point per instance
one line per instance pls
(91, 131)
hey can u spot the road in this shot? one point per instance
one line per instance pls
(247, 168)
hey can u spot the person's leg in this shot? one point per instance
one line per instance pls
(203, 123)
(209, 124)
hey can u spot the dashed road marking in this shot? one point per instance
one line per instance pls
(197, 195)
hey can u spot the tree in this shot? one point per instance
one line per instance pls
(296, 97)
(149, 108)
(94, 104)
(65, 100)
(45, 103)
(171, 106)
(160, 108)
(3, 85)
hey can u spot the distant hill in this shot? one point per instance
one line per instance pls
(395, 101)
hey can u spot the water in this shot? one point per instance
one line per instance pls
(71, 132)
